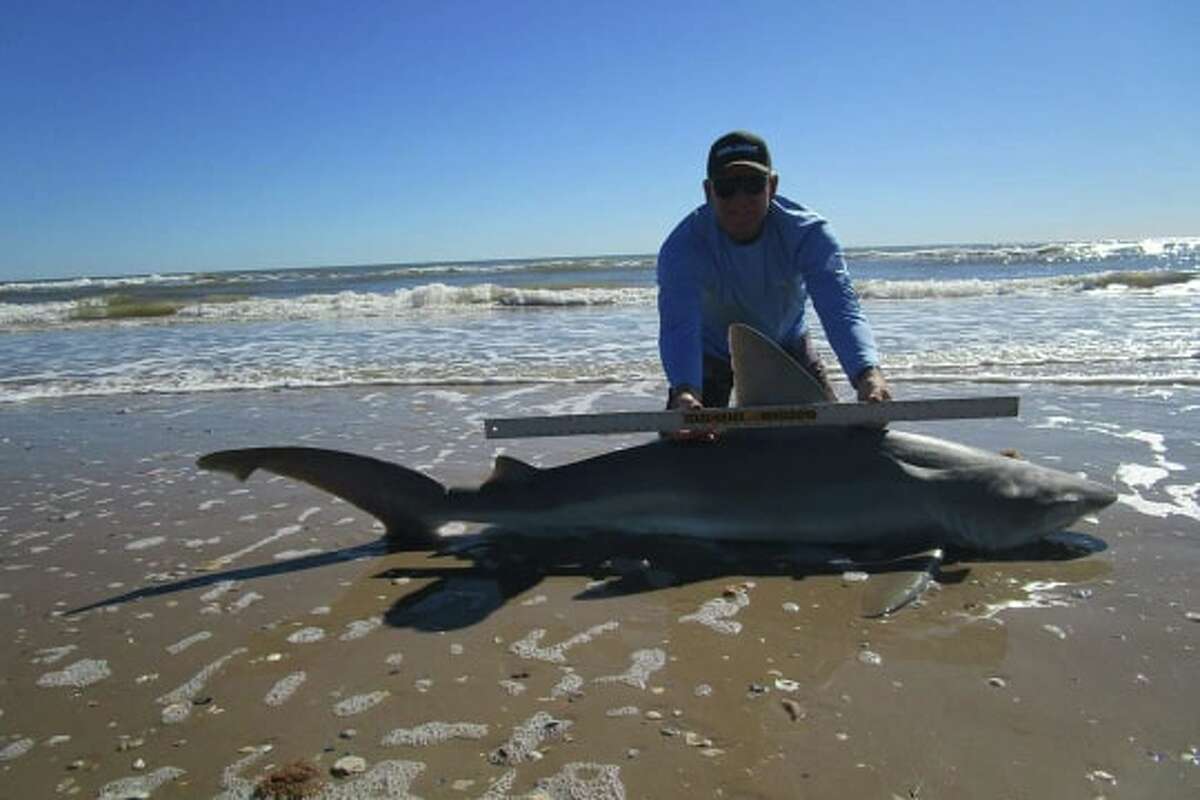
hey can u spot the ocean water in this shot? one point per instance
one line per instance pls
(1125, 313)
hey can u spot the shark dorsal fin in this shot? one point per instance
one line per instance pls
(510, 470)
(765, 374)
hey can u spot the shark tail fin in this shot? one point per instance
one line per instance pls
(408, 503)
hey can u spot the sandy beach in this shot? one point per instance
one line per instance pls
(234, 629)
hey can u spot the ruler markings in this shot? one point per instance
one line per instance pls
(717, 419)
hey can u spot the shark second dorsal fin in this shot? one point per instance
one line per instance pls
(765, 375)
(510, 470)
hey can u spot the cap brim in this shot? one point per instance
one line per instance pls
(763, 168)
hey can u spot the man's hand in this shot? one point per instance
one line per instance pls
(871, 386)
(687, 400)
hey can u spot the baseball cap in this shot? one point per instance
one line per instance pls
(738, 148)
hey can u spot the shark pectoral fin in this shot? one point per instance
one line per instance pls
(765, 374)
(889, 591)
(510, 470)
(404, 500)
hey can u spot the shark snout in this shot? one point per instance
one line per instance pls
(1087, 497)
(1065, 501)
(1091, 497)
(1007, 505)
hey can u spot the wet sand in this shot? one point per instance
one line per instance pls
(238, 628)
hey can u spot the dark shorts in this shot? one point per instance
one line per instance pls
(719, 379)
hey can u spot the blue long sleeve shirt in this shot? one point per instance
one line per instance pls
(707, 281)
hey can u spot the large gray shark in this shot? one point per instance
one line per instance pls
(831, 486)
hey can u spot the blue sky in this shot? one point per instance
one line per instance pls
(165, 136)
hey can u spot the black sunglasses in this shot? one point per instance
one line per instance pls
(749, 184)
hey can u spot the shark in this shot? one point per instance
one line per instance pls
(831, 486)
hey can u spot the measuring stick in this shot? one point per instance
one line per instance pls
(719, 419)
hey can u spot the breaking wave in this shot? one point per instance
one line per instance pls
(1171, 281)
(438, 296)
(1164, 248)
(338, 305)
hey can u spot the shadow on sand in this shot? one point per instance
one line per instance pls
(473, 576)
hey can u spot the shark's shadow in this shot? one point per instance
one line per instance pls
(357, 552)
(504, 567)
(472, 576)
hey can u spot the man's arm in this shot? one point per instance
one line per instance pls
(846, 327)
(680, 342)
(680, 345)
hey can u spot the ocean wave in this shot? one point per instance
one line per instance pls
(257, 381)
(1167, 281)
(116, 282)
(1167, 248)
(330, 275)
(347, 304)
(338, 305)
(1068, 379)
(1179, 251)
(1072, 355)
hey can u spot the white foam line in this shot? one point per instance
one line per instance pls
(431, 733)
(184, 644)
(570, 685)
(284, 688)
(389, 779)
(139, 785)
(197, 682)
(16, 749)
(1155, 441)
(527, 736)
(220, 588)
(500, 788)
(360, 628)
(715, 613)
(243, 602)
(512, 394)
(52, 655)
(238, 788)
(1140, 476)
(584, 779)
(78, 675)
(289, 555)
(578, 404)
(445, 395)
(645, 664)
(144, 544)
(1185, 504)
(360, 703)
(528, 646)
(307, 635)
(279, 534)
(1038, 594)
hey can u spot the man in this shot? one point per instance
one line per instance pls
(749, 255)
